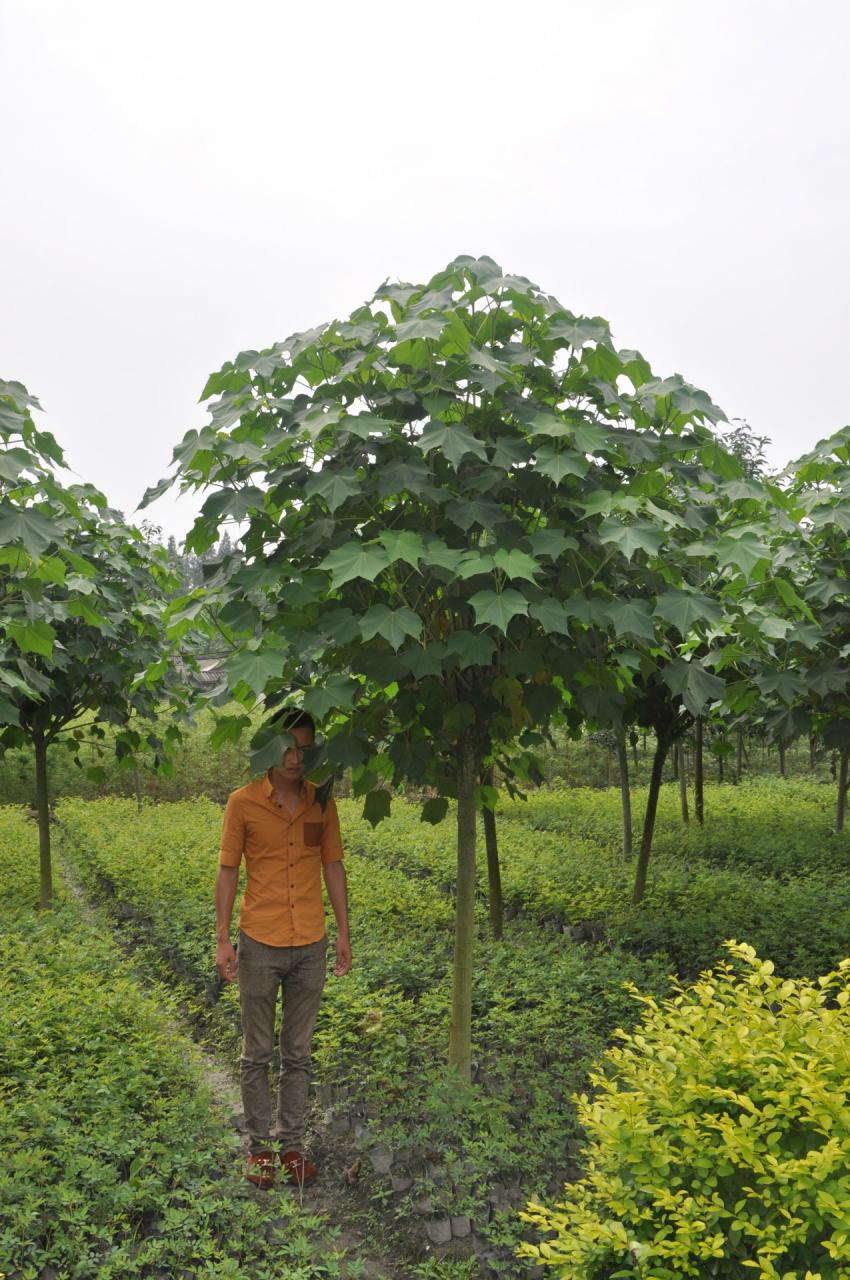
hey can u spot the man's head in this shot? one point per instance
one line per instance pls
(301, 727)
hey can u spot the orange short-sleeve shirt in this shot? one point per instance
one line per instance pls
(284, 852)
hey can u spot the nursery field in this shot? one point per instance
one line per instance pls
(447, 1164)
(116, 1160)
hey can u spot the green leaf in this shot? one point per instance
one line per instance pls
(686, 608)
(13, 462)
(335, 487)
(403, 545)
(552, 543)
(696, 686)
(240, 616)
(365, 425)
(544, 422)
(11, 680)
(268, 751)
(25, 526)
(347, 750)
(156, 492)
(747, 552)
(436, 552)
(423, 661)
(472, 649)
(498, 608)
(453, 440)
(578, 331)
(434, 810)
(789, 596)
(787, 685)
(355, 560)
(590, 437)
(340, 626)
(394, 625)
(632, 618)
(82, 586)
(79, 607)
(600, 502)
(255, 667)
(9, 713)
(557, 463)
(32, 637)
(338, 691)
(630, 538)
(376, 807)
(51, 570)
(319, 417)
(421, 327)
(228, 729)
(551, 615)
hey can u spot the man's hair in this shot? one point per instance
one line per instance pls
(294, 718)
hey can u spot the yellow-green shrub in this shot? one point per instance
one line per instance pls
(718, 1138)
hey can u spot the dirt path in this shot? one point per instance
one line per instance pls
(341, 1193)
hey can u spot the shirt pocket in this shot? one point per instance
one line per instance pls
(313, 835)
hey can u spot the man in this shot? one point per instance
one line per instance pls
(286, 836)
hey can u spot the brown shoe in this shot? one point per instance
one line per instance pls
(261, 1169)
(294, 1168)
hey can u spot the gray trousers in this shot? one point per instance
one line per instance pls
(300, 974)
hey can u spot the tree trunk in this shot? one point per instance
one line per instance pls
(625, 792)
(678, 762)
(460, 1034)
(721, 772)
(42, 804)
(739, 760)
(683, 782)
(699, 774)
(494, 875)
(658, 759)
(811, 753)
(781, 747)
(842, 791)
(634, 752)
(138, 785)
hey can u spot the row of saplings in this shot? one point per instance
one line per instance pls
(718, 1137)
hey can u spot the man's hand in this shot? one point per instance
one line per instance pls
(343, 957)
(226, 960)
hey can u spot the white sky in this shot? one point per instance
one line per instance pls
(187, 179)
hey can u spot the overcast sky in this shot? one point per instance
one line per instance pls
(187, 179)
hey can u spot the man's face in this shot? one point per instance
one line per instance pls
(292, 763)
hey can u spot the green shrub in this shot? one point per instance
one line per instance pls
(718, 1138)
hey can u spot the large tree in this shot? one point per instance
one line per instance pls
(437, 493)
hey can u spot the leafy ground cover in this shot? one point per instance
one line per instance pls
(116, 1163)
(765, 869)
(544, 1007)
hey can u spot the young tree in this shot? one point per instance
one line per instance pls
(81, 637)
(436, 492)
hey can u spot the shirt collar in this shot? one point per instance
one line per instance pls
(308, 789)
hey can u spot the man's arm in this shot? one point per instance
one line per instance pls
(226, 961)
(335, 881)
